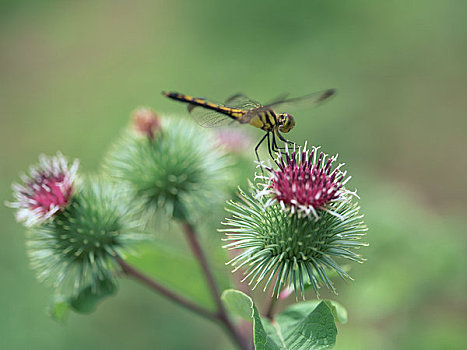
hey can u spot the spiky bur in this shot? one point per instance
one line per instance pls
(180, 170)
(292, 242)
(77, 249)
(45, 191)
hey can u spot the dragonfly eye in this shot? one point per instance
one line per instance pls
(286, 122)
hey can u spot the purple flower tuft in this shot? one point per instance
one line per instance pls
(45, 191)
(306, 181)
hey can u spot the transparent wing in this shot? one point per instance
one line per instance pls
(241, 101)
(208, 118)
(281, 97)
(307, 101)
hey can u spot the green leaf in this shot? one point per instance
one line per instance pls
(261, 338)
(305, 307)
(242, 305)
(303, 326)
(59, 308)
(338, 311)
(87, 299)
(238, 303)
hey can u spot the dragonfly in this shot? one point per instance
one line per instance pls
(241, 109)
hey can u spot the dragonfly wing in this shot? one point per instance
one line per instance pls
(208, 118)
(279, 98)
(242, 102)
(307, 101)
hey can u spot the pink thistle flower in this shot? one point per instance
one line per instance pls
(146, 122)
(305, 182)
(45, 191)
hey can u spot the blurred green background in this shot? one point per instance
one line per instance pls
(71, 73)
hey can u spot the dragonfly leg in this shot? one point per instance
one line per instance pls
(276, 148)
(271, 146)
(285, 140)
(259, 144)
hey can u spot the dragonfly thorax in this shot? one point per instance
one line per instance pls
(286, 122)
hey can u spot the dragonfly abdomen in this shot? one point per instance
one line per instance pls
(234, 113)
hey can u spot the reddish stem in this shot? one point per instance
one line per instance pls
(131, 271)
(221, 312)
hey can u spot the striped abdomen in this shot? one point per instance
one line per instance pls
(234, 113)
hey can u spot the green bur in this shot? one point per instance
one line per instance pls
(77, 249)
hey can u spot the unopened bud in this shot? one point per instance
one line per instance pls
(146, 122)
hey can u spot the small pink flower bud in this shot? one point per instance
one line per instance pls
(146, 122)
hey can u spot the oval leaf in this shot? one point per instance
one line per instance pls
(242, 305)
(238, 303)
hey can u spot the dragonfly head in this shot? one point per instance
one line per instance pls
(286, 122)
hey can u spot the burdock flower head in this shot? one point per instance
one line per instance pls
(180, 172)
(296, 225)
(45, 191)
(79, 248)
(306, 182)
(77, 230)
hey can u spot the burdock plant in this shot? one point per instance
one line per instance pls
(293, 228)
